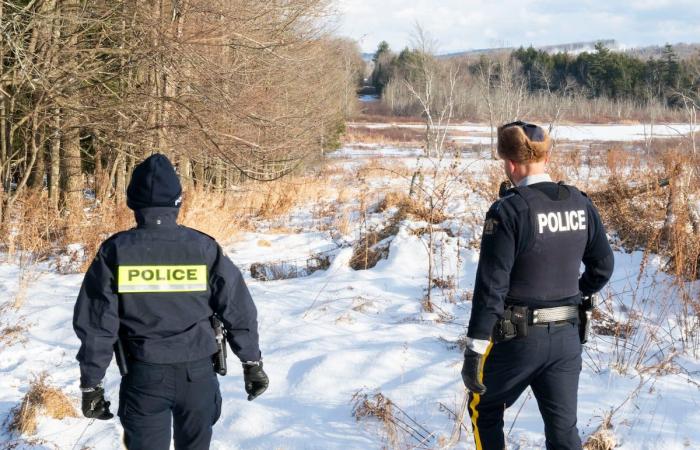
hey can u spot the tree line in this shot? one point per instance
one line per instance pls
(609, 74)
(527, 80)
(230, 90)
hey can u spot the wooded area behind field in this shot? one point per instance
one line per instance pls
(229, 90)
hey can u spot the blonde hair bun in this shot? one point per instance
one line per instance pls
(523, 142)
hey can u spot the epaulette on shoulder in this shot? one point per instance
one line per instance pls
(203, 234)
(511, 199)
(115, 236)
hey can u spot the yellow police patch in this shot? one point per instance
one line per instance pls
(179, 278)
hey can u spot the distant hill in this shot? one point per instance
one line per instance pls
(573, 48)
(683, 50)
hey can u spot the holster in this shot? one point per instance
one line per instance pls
(120, 357)
(513, 324)
(585, 311)
(220, 355)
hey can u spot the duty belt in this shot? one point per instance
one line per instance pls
(516, 320)
(556, 314)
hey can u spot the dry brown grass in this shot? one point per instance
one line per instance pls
(384, 168)
(34, 228)
(603, 438)
(652, 216)
(40, 400)
(380, 408)
(401, 430)
(397, 136)
(13, 334)
(343, 224)
(411, 206)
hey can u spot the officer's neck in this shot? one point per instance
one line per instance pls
(522, 172)
(156, 217)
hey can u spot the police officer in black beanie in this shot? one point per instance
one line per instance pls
(155, 289)
(524, 329)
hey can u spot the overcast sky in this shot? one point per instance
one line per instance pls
(471, 24)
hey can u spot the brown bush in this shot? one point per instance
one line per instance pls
(411, 206)
(648, 209)
(40, 399)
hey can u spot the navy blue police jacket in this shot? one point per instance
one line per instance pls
(533, 243)
(156, 287)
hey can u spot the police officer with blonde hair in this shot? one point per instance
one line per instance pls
(155, 289)
(526, 326)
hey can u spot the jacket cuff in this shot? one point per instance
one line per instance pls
(249, 356)
(482, 327)
(478, 345)
(89, 384)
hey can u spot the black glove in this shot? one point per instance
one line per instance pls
(94, 404)
(256, 380)
(472, 371)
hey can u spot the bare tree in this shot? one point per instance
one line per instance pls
(503, 90)
(232, 91)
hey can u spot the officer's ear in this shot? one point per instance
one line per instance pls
(510, 166)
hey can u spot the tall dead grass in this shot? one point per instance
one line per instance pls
(648, 207)
(393, 135)
(35, 230)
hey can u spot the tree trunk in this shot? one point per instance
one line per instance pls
(3, 124)
(199, 179)
(119, 175)
(36, 180)
(186, 173)
(72, 178)
(54, 160)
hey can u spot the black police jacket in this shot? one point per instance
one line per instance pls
(532, 246)
(156, 287)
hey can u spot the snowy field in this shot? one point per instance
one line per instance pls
(331, 334)
(473, 133)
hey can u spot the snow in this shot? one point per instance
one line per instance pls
(472, 133)
(338, 331)
(364, 151)
(368, 98)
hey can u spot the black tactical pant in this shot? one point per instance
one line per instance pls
(153, 397)
(549, 361)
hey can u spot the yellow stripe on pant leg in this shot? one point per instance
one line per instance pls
(476, 398)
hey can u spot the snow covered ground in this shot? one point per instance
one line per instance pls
(338, 332)
(473, 133)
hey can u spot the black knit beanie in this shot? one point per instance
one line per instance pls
(154, 183)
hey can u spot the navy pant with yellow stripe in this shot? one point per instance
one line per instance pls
(549, 361)
(153, 396)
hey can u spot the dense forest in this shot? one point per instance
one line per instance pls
(230, 90)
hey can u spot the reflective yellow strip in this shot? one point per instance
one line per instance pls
(178, 278)
(476, 398)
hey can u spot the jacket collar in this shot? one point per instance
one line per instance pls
(156, 217)
(534, 179)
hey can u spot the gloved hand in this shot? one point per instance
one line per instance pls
(256, 380)
(472, 371)
(94, 404)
